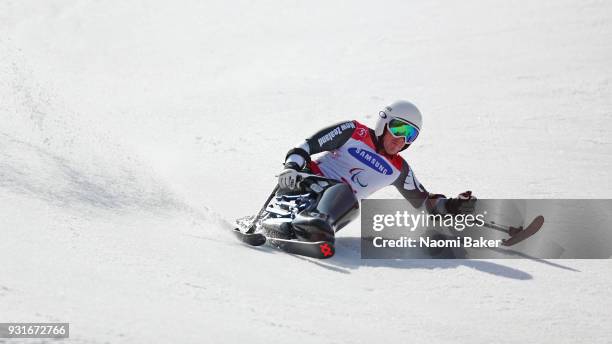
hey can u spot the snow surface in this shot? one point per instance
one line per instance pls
(132, 132)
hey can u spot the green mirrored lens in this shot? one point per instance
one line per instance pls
(403, 129)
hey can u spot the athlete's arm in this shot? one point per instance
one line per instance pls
(409, 187)
(326, 139)
(415, 193)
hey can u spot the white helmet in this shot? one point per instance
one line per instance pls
(400, 109)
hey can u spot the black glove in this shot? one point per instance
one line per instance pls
(463, 204)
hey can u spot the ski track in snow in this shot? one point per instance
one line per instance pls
(133, 133)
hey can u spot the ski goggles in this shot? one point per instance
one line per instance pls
(399, 128)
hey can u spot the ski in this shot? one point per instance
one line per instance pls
(252, 239)
(316, 249)
(519, 234)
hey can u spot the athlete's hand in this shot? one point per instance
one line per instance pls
(288, 178)
(463, 204)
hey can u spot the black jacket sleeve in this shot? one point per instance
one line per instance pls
(330, 138)
(326, 139)
(409, 187)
